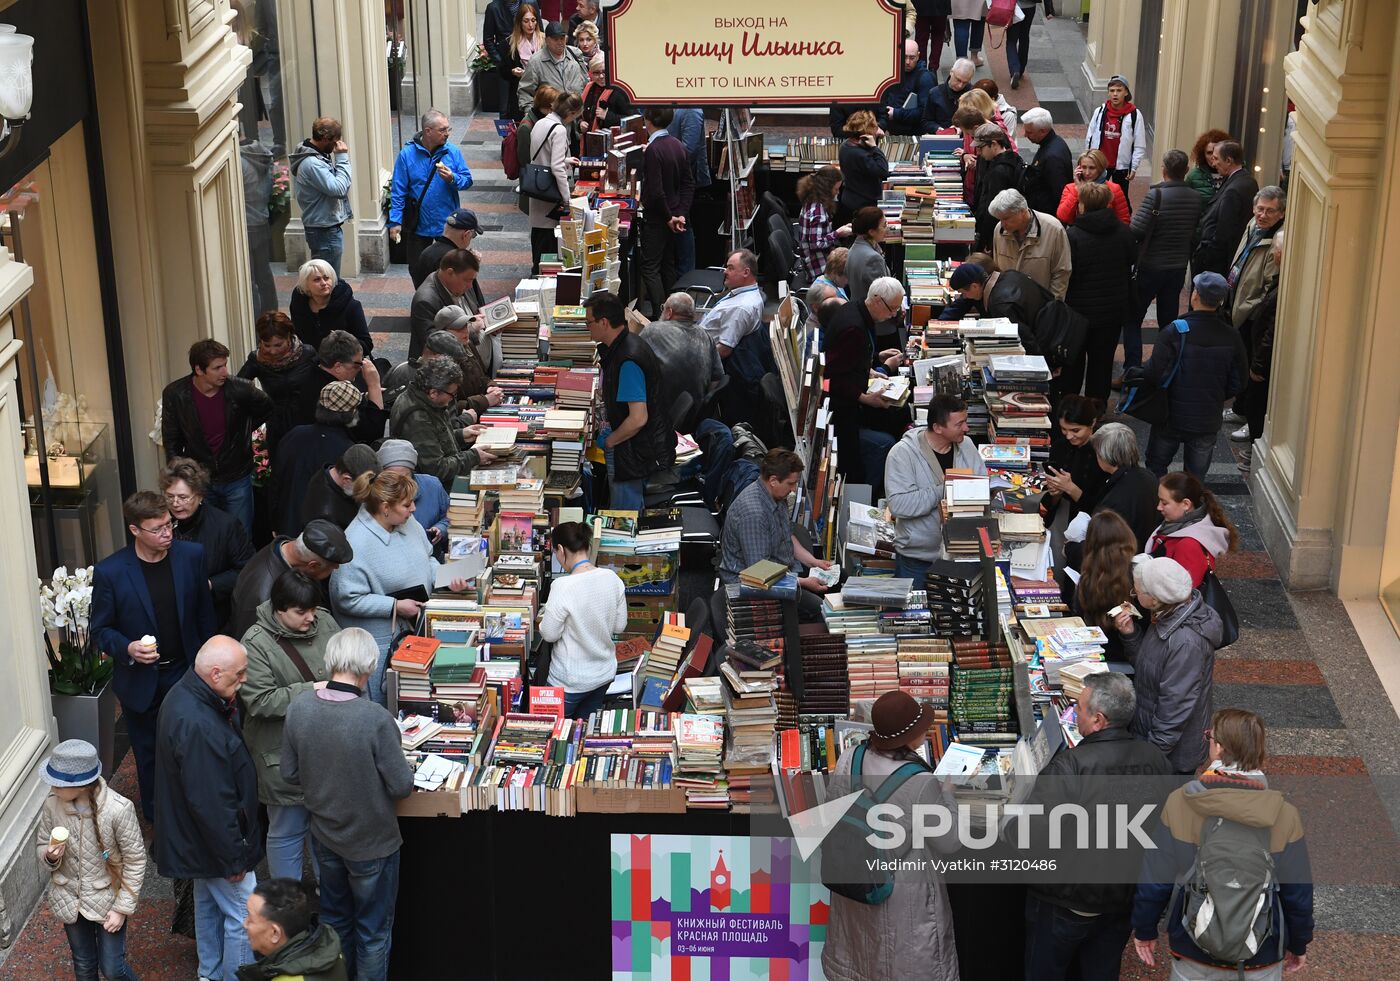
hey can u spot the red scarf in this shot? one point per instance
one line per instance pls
(1112, 129)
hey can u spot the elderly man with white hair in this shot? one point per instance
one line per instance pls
(867, 425)
(943, 98)
(688, 357)
(207, 803)
(343, 750)
(1030, 241)
(1053, 165)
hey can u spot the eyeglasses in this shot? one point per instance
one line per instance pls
(180, 498)
(159, 530)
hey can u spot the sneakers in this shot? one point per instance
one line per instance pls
(1241, 435)
(1232, 417)
(1015, 80)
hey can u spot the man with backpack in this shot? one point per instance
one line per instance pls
(1118, 129)
(1200, 359)
(905, 930)
(1245, 902)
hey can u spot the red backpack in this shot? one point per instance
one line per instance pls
(510, 160)
(1001, 13)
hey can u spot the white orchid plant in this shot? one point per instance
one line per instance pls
(77, 667)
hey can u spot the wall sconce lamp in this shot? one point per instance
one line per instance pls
(16, 85)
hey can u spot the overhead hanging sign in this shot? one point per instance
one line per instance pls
(754, 52)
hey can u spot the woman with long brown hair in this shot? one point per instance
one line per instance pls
(816, 234)
(526, 40)
(1106, 579)
(1202, 175)
(1195, 529)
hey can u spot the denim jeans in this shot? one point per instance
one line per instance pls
(1062, 944)
(234, 498)
(910, 568)
(965, 31)
(220, 908)
(260, 265)
(1018, 42)
(286, 840)
(94, 948)
(582, 704)
(685, 252)
(328, 244)
(875, 446)
(1162, 443)
(1162, 285)
(627, 495)
(357, 901)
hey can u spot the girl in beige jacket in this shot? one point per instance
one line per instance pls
(90, 843)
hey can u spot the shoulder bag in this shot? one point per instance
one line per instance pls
(1213, 594)
(299, 662)
(537, 181)
(412, 211)
(1142, 398)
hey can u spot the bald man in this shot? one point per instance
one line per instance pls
(207, 827)
(907, 99)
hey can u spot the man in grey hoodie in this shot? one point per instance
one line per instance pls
(914, 483)
(321, 170)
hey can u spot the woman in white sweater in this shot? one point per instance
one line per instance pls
(586, 609)
(549, 147)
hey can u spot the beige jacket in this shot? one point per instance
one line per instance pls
(84, 883)
(1258, 275)
(1043, 254)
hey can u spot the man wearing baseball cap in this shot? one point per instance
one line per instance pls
(319, 550)
(459, 231)
(1204, 357)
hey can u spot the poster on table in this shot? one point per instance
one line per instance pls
(753, 52)
(715, 908)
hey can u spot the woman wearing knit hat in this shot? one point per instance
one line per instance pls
(89, 841)
(909, 935)
(1173, 655)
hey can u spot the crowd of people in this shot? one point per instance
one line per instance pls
(250, 628)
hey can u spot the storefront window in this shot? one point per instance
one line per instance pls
(65, 389)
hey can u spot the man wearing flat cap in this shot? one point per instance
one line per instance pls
(556, 65)
(1204, 357)
(319, 550)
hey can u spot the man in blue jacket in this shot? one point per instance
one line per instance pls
(1213, 368)
(917, 82)
(428, 175)
(156, 587)
(321, 169)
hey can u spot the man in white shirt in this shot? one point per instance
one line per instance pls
(739, 312)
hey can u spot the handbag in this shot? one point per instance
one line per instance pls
(412, 212)
(536, 180)
(1214, 595)
(1147, 401)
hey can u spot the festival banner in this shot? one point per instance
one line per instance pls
(715, 908)
(754, 52)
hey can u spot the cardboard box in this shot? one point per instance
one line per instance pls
(607, 800)
(431, 803)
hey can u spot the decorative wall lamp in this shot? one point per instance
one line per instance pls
(16, 85)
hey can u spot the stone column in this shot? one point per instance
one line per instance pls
(1195, 71)
(336, 67)
(426, 30)
(1112, 48)
(1323, 470)
(27, 729)
(459, 26)
(167, 80)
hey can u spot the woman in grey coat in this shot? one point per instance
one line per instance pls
(1173, 656)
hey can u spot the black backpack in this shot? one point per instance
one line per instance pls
(848, 859)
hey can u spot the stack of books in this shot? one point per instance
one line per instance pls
(754, 618)
(965, 495)
(658, 530)
(763, 574)
(826, 686)
(704, 696)
(413, 660)
(924, 671)
(520, 338)
(962, 535)
(575, 389)
(699, 760)
(981, 696)
(454, 674)
(662, 663)
(954, 592)
(568, 337)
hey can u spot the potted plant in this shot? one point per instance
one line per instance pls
(394, 46)
(279, 206)
(80, 676)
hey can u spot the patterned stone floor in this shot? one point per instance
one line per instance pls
(1298, 661)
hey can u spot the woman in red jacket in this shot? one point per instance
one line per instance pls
(1092, 165)
(1195, 530)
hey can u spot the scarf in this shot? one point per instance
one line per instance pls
(1170, 528)
(1220, 775)
(292, 356)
